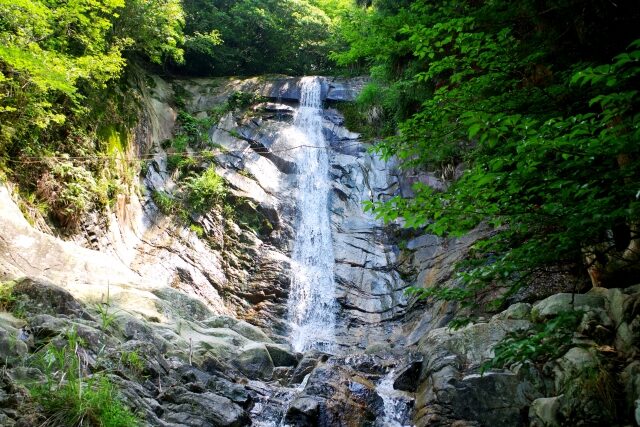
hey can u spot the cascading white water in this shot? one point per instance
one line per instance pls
(395, 403)
(311, 305)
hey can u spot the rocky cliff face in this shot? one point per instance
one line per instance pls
(140, 257)
(206, 304)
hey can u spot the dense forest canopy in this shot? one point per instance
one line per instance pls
(527, 110)
(259, 36)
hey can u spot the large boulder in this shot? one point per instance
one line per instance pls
(564, 302)
(45, 297)
(303, 411)
(254, 361)
(201, 409)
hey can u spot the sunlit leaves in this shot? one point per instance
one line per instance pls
(550, 153)
(257, 36)
(154, 28)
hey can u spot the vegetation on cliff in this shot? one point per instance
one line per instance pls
(529, 114)
(65, 108)
(71, 81)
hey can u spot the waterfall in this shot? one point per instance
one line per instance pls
(311, 306)
(395, 403)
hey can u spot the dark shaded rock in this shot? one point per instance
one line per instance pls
(47, 298)
(47, 326)
(12, 350)
(232, 391)
(307, 364)
(408, 378)
(346, 397)
(214, 366)
(281, 356)
(495, 399)
(303, 411)
(255, 362)
(155, 365)
(183, 406)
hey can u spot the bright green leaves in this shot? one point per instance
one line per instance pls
(205, 190)
(153, 28)
(256, 37)
(610, 78)
(60, 66)
(49, 49)
(548, 146)
(370, 36)
(24, 20)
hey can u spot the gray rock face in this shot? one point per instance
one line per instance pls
(452, 390)
(259, 164)
(333, 89)
(207, 310)
(201, 409)
(571, 389)
(303, 411)
(566, 302)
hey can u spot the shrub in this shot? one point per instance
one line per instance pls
(69, 190)
(205, 190)
(163, 201)
(69, 398)
(197, 229)
(92, 402)
(7, 299)
(173, 161)
(545, 341)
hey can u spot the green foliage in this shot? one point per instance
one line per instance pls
(70, 398)
(246, 214)
(179, 143)
(546, 136)
(206, 190)
(153, 28)
(133, 361)
(173, 161)
(69, 190)
(62, 93)
(107, 316)
(164, 202)
(241, 100)
(41, 60)
(7, 298)
(198, 230)
(17, 305)
(255, 36)
(544, 342)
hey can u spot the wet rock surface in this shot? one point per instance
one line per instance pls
(207, 311)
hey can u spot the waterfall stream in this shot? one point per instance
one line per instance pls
(395, 403)
(311, 304)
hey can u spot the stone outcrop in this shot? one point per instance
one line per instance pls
(206, 307)
(590, 383)
(184, 294)
(191, 365)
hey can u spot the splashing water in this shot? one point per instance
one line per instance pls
(311, 305)
(395, 403)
